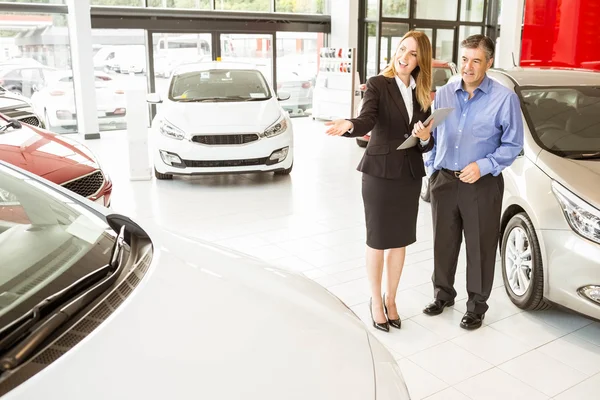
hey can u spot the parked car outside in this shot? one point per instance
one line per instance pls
(56, 102)
(220, 117)
(300, 89)
(24, 79)
(159, 315)
(19, 107)
(56, 158)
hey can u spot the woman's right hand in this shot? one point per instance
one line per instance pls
(338, 127)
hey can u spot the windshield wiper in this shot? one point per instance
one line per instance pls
(584, 156)
(12, 123)
(228, 98)
(83, 291)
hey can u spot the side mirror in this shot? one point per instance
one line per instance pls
(282, 96)
(153, 98)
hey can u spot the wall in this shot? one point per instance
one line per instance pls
(561, 33)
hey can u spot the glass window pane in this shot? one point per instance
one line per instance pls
(301, 6)
(371, 46)
(463, 33)
(32, 50)
(391, 34)
(372, 8)
(471, 10)
(437, 9)
(253, 49)
(444, 44)
(395, 8)
(297, 66)
(119, 64)
(128, 3)
(243, 5)
(36, 1)
(194, 4)
(428, 32)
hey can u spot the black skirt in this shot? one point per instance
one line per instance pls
(391, 209)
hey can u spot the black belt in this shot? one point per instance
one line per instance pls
(455, 173)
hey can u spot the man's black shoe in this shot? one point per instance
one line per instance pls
(471, 320)
(437, 306)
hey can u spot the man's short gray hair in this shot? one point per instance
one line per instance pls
(482, 42)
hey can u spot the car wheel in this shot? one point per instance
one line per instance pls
(361, 143)
(284, 171)
(522, 269)
(425, 190)
(160, 176)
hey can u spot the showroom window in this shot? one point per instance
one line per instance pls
(34, 51)
(301, 6)
(243, 5)
(36, 1)
(128, 3)
(192, 4)
(297, 67)
(445, 22)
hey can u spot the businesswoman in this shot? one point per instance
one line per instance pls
(395, 105)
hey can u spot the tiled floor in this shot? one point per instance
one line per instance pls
(312, 222)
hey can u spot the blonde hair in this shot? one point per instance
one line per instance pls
(422, 72)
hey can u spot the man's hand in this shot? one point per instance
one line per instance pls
(471, 173)
(338, 127)
(421, 131)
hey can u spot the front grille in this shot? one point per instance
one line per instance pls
(31, 120)
(86, 185)
(218, 140)
(225, 163)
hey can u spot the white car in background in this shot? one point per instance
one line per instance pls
(98, 307)
(220, 117)
(56, 102)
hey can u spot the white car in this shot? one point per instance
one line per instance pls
(220, 118)
(156, 315)
(56, 101)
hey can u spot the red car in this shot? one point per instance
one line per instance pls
(442, 71)
(58, 159)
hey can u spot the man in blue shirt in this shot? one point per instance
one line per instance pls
(481, 137)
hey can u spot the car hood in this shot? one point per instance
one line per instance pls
(55, 158)
(224, 117)
(576, 175)
(209, 323)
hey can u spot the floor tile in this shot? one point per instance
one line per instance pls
(446, 325)
(419, 382)
(492, 346)
(591, 333)
(448, 394)
(409, 340)
(527, 329)
(587, 389)
(575, 352)
(495, 384)
(543, 373)
(440, 360)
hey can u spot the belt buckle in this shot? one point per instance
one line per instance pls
(457, 174)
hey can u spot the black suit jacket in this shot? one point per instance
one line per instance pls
(384, 114)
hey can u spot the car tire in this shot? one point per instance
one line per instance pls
(284, 171)
(426, 190)
(160, 176)
(361, 143)
(531, 298)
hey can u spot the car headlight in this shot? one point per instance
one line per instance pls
(582, 217)
(170, 130)
(389, 383)
(277, 128)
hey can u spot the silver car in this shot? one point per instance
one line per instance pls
(550, 243)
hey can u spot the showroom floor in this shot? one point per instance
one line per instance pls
(312, 222)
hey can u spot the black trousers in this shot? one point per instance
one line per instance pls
(474, 209)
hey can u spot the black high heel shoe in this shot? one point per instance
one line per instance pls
(396, 323)
(382, 327)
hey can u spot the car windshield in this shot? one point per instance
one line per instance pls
(564, 120)
(219, 85)
(47, 242)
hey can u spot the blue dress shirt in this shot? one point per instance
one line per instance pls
(487, 129)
